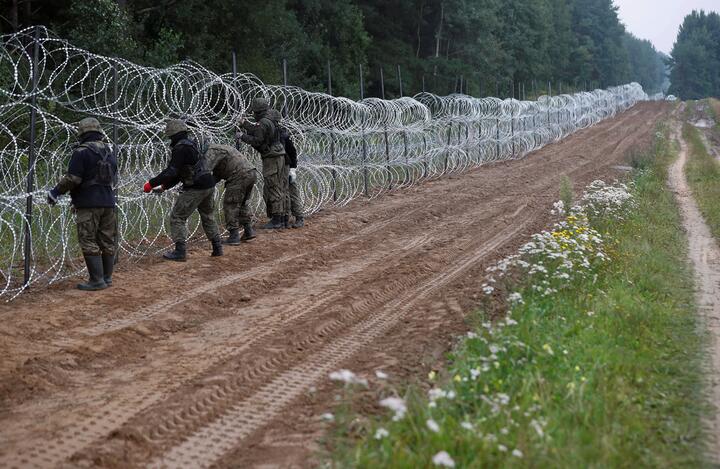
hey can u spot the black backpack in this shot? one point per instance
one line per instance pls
(105, 174)
(200, 168)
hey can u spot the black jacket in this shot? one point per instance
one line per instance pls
(83, 168)
(181, 157)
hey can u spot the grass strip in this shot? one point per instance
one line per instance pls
(703, 175)
(606, 372)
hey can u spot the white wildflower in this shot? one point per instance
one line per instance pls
(443, 459)
(381, 374)
(328, 416)
(348, 377)
(395, 404)
(515, 298)
(517, 453)
(467, 425)
(381, 433)
(432, 425)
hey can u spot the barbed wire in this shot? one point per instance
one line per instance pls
(347, 149)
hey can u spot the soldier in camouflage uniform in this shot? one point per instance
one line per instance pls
(228, 164)
(264, 136)
(294, 200)
(90, 178)
(197, 193)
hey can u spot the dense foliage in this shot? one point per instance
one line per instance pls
(696, 57)
(477, 46)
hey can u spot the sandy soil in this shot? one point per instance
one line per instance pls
(224, 361)
(705, 258)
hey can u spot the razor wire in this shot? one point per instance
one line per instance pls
(346, 149)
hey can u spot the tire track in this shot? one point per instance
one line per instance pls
(204, 447)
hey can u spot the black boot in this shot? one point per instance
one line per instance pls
(248, 232)
(95, 270)
(286, 221)
(275, 223)
(108, 267)
(233, 238)
(179, 254)
(217, 247)
(299, 222)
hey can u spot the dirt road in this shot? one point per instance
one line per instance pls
(224, 361)
(705, 258)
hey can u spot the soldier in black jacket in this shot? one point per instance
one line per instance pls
(91, 174)
(197, 193)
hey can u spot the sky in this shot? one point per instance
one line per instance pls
(659, 20)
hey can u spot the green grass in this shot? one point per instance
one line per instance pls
(608, 369)
(703, 174)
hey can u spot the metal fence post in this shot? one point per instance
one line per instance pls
(399, 75)
(364, 143)
(116, 150)
(27, 247)
(332, 138)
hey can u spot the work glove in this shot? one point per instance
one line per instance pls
(293, 175)
(51, 198)
(147, 188)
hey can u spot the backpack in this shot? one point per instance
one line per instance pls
(290, 151)
(200, 168)
(274, 143)
(105, 174)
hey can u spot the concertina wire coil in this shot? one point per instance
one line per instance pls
(346, 149)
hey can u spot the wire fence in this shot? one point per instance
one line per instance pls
(347, 149)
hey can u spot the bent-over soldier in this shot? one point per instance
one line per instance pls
(229, 165)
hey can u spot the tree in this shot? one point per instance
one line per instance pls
(695, 62)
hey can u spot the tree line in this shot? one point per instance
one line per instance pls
(480, 47)
(696, 57)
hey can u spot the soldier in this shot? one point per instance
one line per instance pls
(90, 178)
(264, 136)
(197, 193)
(228, 164)
(296, 204)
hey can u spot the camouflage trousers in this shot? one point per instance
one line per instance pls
(275, 185)
(236, 201)
(295, 205)
(97, 229)
(187, 202)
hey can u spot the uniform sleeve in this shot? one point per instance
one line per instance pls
(73, 178)
(170, 176)
(256, 137)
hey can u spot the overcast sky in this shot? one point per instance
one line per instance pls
(659, 20)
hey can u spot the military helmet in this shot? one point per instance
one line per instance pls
(88, 124)
(174, 127)
(260, 105)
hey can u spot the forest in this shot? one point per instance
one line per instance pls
(478, 47)
(696, 57)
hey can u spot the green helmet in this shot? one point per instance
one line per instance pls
(174, 127)
(260, 105)
(88, 124)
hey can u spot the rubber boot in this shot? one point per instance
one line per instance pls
(217, 249)
(95, 271)
(233, 238)
(108, 267)
(299, 222)
(178, 254)
(275, 223)
(248, 232)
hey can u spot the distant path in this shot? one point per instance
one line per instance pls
(705, 258)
